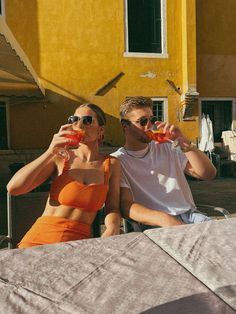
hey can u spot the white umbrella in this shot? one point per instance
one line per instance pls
(204, 134)
(210, 143)
(207, 139)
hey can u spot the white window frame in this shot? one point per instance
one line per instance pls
(164, 53)
(165, 106)
(6, 101)
(3, 7)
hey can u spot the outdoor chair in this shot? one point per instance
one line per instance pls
(222, 160)
(211, 210)
(22, 212)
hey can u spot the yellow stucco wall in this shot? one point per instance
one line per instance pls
(216, 53)
(77, 46)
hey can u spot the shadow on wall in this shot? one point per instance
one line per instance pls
(34, 121)
(113, 132)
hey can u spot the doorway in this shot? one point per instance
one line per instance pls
(221, 115)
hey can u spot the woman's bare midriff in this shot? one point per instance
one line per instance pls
(55, 209)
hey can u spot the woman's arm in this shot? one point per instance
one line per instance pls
(32, 175)
(37, 171)
(113, 216)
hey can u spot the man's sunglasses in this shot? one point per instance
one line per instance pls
(144, 121)
(86, 120)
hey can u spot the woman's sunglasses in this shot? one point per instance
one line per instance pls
(86, 120)
(144, 121)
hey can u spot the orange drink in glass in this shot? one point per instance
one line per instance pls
(160, 137)
(75, 140)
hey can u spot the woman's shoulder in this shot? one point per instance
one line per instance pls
(114, 162)
(110, 158)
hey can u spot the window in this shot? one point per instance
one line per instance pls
(3, 126)
(2, 7)
(160, 108)
(145, 27)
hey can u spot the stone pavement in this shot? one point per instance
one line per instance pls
(219, 192)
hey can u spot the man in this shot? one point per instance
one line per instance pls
(154, 190)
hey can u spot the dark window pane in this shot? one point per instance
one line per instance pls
(3, 126)
(158, 109)
(144, 26)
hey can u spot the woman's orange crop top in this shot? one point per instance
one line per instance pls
(67, 191)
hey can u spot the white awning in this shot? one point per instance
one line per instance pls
(17, 76)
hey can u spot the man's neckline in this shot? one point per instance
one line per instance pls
(140, 154)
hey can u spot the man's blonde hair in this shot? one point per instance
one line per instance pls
(131, 103)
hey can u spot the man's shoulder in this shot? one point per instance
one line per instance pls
(118, 153)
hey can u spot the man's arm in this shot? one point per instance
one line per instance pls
(198, 165)
(144, 215)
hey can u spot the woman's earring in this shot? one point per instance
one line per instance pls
(100, 139)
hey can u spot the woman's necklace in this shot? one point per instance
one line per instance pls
(139, 157)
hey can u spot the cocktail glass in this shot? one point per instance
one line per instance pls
(160, 137)
(75, 140)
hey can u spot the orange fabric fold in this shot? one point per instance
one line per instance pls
(51, 229)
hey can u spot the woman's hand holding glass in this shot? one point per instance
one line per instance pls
(65, 138)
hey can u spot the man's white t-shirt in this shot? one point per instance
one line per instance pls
(155, 177)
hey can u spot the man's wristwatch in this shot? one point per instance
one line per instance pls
(187, 147)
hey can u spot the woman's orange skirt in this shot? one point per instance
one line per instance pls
(51, 229)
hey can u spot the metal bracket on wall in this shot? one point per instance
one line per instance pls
(175, 88)
(109, 85)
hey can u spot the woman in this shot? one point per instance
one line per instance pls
(80, 186)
